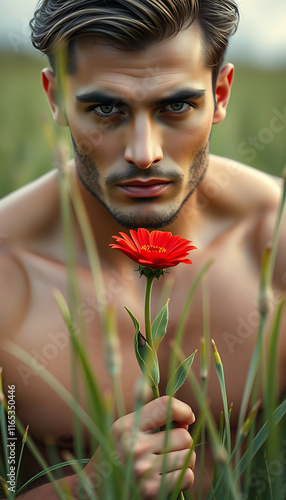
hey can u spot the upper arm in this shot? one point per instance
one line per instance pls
(14, 293)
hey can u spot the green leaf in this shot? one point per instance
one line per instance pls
(146, 356)
(135, 321)
(180, 375)
(258, 441)
(159, 327)
(147, 359)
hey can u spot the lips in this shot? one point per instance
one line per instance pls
(139, 188)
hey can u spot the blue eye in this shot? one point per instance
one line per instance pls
(105, 109)
(178, 106)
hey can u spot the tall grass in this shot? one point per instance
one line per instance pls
(232, 463)
(233, 466)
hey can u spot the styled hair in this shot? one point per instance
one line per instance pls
(133, 24)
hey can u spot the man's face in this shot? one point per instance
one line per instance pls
(140, 123)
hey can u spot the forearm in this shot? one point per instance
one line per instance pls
(68, 486)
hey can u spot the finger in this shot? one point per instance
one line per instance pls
(176, 439)
(150, 488)
(155, 413)
(175, 460)
(172, 478)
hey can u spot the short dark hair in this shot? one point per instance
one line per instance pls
(133, 24)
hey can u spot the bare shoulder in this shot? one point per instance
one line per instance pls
(253, 197)
(24, 216)
(241, 188)
(26, 210)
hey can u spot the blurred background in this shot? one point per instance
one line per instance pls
(254, 131)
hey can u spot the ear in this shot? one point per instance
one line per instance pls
(49, 82)
(222, 92)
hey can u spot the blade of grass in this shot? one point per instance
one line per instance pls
(268, 477)
(90, 245)
(87, 370)
(39, 458)
(258, 441)
(244, 432)
(220, 373)
(186, 309)
(270, 398)
(267, 274)
(271, 392)
(129, 476)
(59, 389)
(4, 487)
(47, 470)
(85, 481)
(24, 439)
(180, 329)
(101, 413)
(178, 485)
(204, 374)
(219, 451)
(205, 361)
(72, 283)
(183, 319)
(114, 362)
(68, 398)
(256, 355)
(95, 267)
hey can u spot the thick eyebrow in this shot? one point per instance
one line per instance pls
(102, 97)
(182, 95)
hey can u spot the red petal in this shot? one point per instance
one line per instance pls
(143, 236)
(128, 240)
(129, 253)
(180, 246)
(135, 238)
(160, 238)
(173, 242)
(126, 245)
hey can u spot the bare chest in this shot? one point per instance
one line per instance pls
(228, 310)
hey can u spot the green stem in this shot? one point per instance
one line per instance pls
(148, 311)
(156, 392)
(148, 329)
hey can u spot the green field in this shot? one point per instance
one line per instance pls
(252, 133)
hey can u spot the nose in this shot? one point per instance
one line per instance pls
(143, 143)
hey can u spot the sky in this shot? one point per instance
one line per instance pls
(261, 38)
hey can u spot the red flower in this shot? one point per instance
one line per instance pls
(156, 250)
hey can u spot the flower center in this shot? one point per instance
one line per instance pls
(153, 248)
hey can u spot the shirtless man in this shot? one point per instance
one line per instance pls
(140, 97)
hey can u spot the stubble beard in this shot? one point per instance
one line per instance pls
(88, 173)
